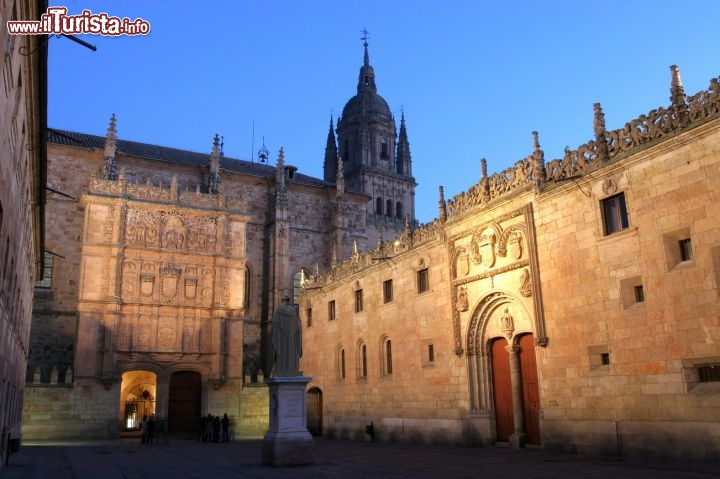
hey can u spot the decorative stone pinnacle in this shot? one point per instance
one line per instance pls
(677, 91)
(441, 203)
(214, 178)
(483, 167)
(110, 168)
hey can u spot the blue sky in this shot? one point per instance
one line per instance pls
(474, 78)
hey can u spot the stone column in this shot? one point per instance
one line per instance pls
(288, 442)
(518, 438)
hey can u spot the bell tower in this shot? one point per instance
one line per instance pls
(375, 160)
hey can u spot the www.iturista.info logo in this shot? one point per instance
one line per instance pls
(57, 22)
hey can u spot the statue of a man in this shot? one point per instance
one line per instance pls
(286, 340)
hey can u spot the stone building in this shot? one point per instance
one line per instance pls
(22, 195)
(571, 304)
(168, 264)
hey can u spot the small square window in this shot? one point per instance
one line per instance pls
(709, 373)
(422, 281)
(632, 292)
(387, 291)
(639, 293)
(331, 310)
(599, 358)
(358, 300)
(685, 249)
(605, 359)
(615, 215)
(678, 248)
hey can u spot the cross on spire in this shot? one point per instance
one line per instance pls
(364, 38)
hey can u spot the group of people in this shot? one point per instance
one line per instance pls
(214, 428)
(147, 430)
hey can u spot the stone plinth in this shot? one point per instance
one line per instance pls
(288, 442)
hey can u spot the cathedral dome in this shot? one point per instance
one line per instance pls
(367, 104)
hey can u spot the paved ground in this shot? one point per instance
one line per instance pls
(182, 458)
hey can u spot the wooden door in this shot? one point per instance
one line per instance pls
(502, 390)
(530, 390)
(314, 411)
(184, 402)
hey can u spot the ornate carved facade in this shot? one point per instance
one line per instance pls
(571, 304)
(169, 266)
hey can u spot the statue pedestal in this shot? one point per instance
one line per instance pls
(288, 442)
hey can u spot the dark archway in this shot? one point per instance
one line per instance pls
(184, 402)
(314, 411)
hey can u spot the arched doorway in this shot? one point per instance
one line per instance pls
(314, 411)
(530, 389)
(502, 390)
(502, 368)
(184, 402)
(138, 391)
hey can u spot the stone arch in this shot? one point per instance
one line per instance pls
(505, 236)
(479, 335)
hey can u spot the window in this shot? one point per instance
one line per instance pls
(387, 346)
(605, 359)
(599, 358)
(678, 248)
(246, 291)
(387, 291)
(308, 317)
(632, 292)
(639, 293)
(388, 208)
(685, 249)
(398, 210)
(358, 300)
(383, 149)
(331, 310)
(615, 216)
(709, 373)
(427, 353)
(46, 281)
(363, 361)
(378, 206)
(422, 281)
(342, 363)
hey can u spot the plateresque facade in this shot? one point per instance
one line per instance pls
(571, 303)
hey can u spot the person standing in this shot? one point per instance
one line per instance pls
(225, 426)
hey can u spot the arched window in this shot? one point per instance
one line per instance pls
(389, 208)
(362, 361)
(387, 357)
(398, 210)
(246, 290)
(378, 206)
(341, 363)
(383, 149)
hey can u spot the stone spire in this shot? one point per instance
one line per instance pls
(600, 132)
(110, 167)
(214, 178)
(366, 81)
(538, 161)
(678, 97)
(331, 154)
(280, 190)
(442, 205)
(403, 161)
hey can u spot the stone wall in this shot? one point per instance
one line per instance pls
(22, 193)
(609, 258)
